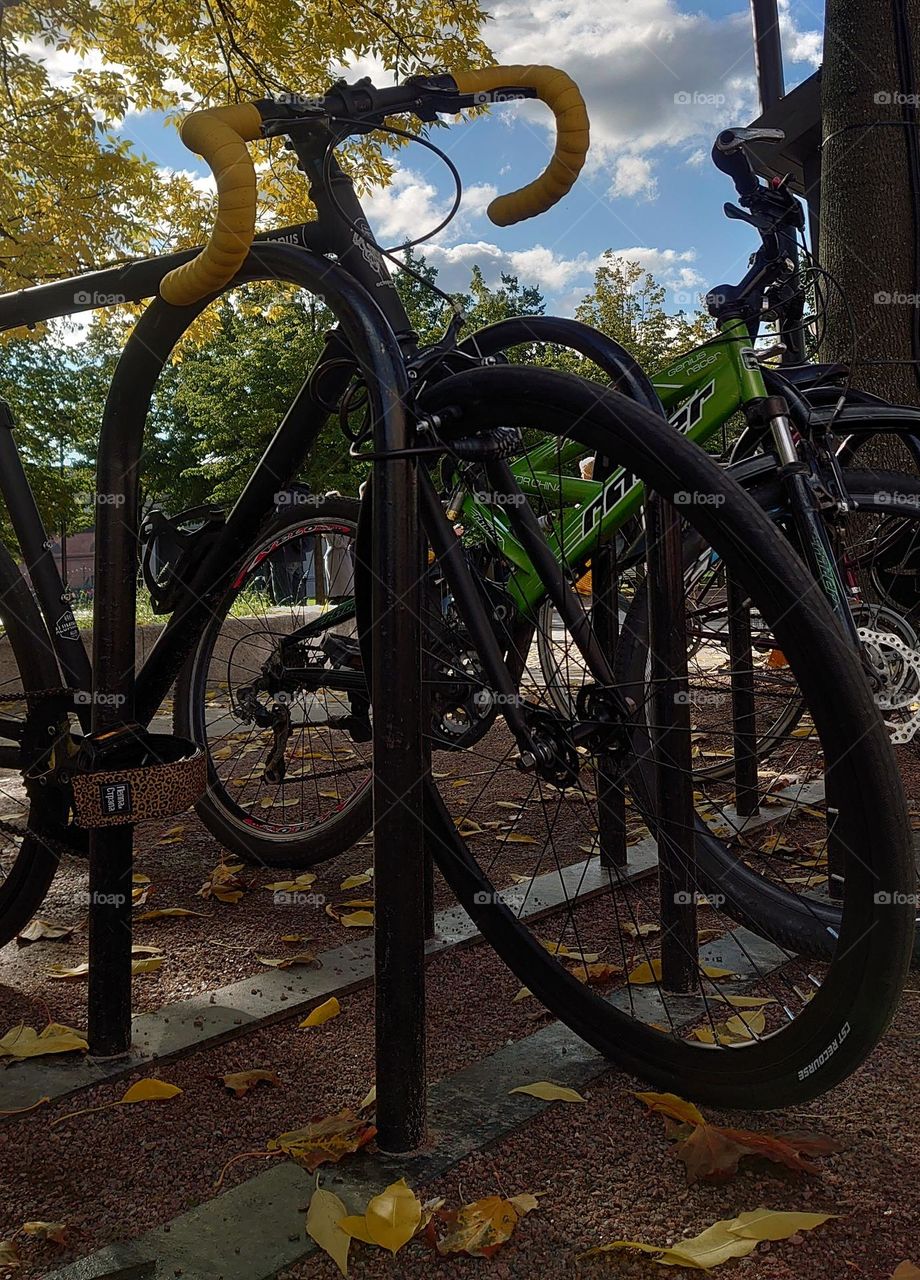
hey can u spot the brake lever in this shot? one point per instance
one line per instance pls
(759, 221)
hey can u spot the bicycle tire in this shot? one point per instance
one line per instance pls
(842, 1021)
(754, 902)
(29, 877)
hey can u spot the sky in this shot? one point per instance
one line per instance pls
(660, 79)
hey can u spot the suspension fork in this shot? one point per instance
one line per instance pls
(807, 517)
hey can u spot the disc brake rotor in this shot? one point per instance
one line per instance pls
(897, 666)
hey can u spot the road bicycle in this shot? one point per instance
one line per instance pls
(642, 966)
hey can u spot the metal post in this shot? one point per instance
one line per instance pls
(399, 847)
(768, 52)
(671, 745)
(611, 794)
(744, 713)
(111, 849)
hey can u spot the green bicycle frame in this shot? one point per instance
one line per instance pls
(700, 391)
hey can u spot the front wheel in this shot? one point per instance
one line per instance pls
(755, 1023)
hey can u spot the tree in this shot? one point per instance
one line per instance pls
(869, 225)
(627, 304)
(75, 194)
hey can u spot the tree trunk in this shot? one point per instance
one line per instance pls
(868, 235)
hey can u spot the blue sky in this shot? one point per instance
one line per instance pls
(660, 78)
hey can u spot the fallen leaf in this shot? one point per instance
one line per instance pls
(149, 965)
(54, 1231)
(295, 937)
(60, 972)
(9, 1254)
(322, 1013)
(369, 1098)
(288, 962)
(481, 1228)
(224, 883)
(639, 930)
(359, 902)
(40, 930)
(646, 973)
(149, 1090)
(324, 1141)
(560, 949)
(518, 837)
(393, 1216)
(302, 882)
(163, 912)
(26, 1042)
(138, 878)
(596, 972)
(905, 1271)
(737, 1029)
(357, 919)
(324, 1213)
(770, 1224)
(242, 1081)
(355, 1228)
(675, 1108)
(549, 1092)
(355, 882)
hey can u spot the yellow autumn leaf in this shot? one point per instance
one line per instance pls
(639, 930)
(905, 1271)
(560, 949)
(672, 1106)
(54, 1231)
(61, 973)
(356, 881)
(302, 882)
(359, 902)
(288, 962)
(324, 1213)
(149, 964)
(549, 1092)
(770, 1224)
(41, 930)
(26, 1042)
(322, 1013)
(354, 1225)
(746, 1002)
(518, 837)
(369, 1098)
(9, 1254)
(651, 972)
(357, 919)
(164, 913)
(149, 1090)
(392, 1217)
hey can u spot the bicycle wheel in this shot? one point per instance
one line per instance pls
(879, 547)
(27, 664)
(519, 846)
(275, 693)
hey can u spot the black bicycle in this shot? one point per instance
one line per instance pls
(526, 821)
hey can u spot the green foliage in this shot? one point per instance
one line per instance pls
(220, 400)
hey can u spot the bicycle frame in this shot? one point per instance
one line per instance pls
(699, 391)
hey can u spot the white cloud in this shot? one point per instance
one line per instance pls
(696, 159)
(632, 177)
(652, 73)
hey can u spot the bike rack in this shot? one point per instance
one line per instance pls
(402, 885)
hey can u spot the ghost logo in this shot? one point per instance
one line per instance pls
(363, 238)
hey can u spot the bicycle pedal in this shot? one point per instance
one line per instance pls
(129, 775)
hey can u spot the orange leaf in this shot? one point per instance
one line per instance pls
(324, 1141)
(242, 1081)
